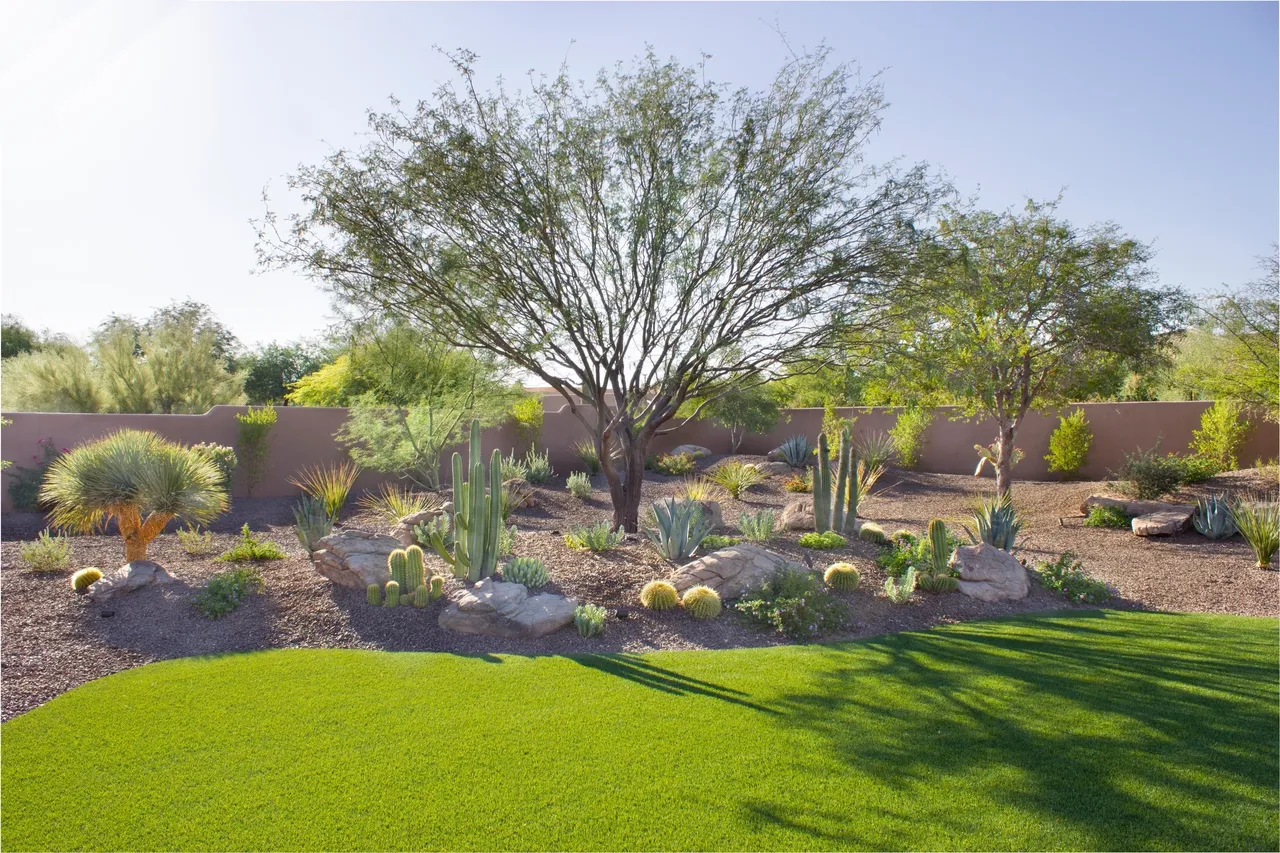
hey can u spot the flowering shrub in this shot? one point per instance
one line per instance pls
(24, 489)
(1066, 575)
(802, 483)
(795, 604)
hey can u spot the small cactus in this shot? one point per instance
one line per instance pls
(701, 602)
(393, 594)
(873, 533)
(83, 579)
(374, 595)
(437, 587)
(397, 562)
(406, 599)
(589, 619)
(526, 570)
(413, 570)
(903, 535)
(422, 596)
(842, 577)
(659, 595)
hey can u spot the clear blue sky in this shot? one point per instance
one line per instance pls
(136, 138)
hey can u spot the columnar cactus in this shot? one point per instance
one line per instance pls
(396, 563)
(374, 595)
(422, 596)
(822, 487)
(477, 515)
(393, 594)
(835, 512)
(939, 547)
(414, 570)
(437, 587)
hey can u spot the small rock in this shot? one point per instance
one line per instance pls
(500, 609)
(731, 571)
(107, 614)
(127, 578)
(697, 451)
(520, 493)
(623, 613)
(988, 573)
(355, 558)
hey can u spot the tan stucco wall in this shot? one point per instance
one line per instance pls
(304, 437)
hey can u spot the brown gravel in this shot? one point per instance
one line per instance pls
(53, 640)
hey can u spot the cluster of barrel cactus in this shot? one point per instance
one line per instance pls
(409, 584)
(835, 512)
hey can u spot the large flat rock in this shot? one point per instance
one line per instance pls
(731, 571)
(1129, 507)
(127, 578)
(1164, 522)
(500, 609)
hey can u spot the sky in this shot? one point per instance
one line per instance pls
(137, 138)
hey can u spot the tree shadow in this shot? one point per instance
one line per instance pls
(638, 669)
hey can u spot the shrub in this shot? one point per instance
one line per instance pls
(701, 602)
(735, 477)
(46, 553)
(1066, 575)
(678, 530)
(1259, 523)
(579, 485)
(873, 533)
(85, 578)
(527, 413)
(329, 484)
(674, 466)
(908, 434)
(249, 548)
(136, 478)
(588, 455)
(195, 541)
(876, 449)
(900, 590)
(659, 595)
(842, 577)
(594, 537)
(796, 451)
(24, 483)
(713, 542)
(1195, 469)
(822, 541)
(223, 458)
(311, 523)
(908, 552)
(800, 483)
(833, 425)
(514, 469)
(526, 570)
(697, 489)
(538, 468)
(758, 526)
(1147, 475)
(1222, 431)
(393, 503)
(226, 590)
(1107, 516)
(794, 603)
(589, 619)
(253, 444)
(1212, 517)
(903, 535)
(1069, 444)
(997, 522)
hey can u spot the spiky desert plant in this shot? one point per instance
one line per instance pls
(1259, 523)
(937, 575)
(1212, 517)
(392, 597)
(899, 591)
(529, 571)
(864, 480)
(735, 477)
(697, 489)
(659, 595)
(312, 522)
(397, 561)
(835, 501)
(796, 451)
(414, 567)
(875, 448)
(406, 599)
(589, 619)
(514, 468)
(393, 503)
(997, 522)
(137, 478)
(873, 533)
(538, 466)
(422, 596)
(679, 528)
(437, 587)
(758, 526)
(83, 579)
(701, 602)
(586, 451)
(842, 577)
(373, 594)
(594, 537)
(477, 514)
(329, 484)
(579, 485)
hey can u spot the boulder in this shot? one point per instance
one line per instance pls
(500, 609)
(730, 571)
(798, 514)
(988, 573)
(695, 450)
(1164, 522)
(521, 493)
(1129, 507)
(774, 469)
(354, 558)
(712, 510)
(403, 531)
(127, 578)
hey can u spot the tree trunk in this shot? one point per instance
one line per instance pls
(735, 438)
(624, 490)
(1004, 458)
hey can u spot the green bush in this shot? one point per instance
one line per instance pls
(714, 542)
(1069, 444)
(822, 541)
(514, 469)
(759, 526)
(254, 444)
(527, 413)
(796, 604)
(46, 553)
(1107, 516)
(1222, 431)
(1147, 475)
(909, 552)
(594, 537)
(195, 541)
(249, 548)
(222, 457)
(25, 483)
(538, 467)
(800, 483)
(226, 590)
(579, 485)
(673, 466)
(589, 620)
(908, 434)
(1195, 469)
(1066, 575)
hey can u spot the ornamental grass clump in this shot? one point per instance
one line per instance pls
(594, 537)
(393, 503)
(876, 449)
(138, 479)
(659, 595)
(735, 477)
(329, 484)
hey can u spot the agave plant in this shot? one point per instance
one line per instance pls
(312, 522)
(997, 522)
(1213, 518)
(1259, 523)
(137, 478)
(679, 528)
(796, 451)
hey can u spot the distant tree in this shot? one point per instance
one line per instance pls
(16, 337)
(55, 378)
(1014, 311)
(636, 242)
(751, 408)
(271, 370)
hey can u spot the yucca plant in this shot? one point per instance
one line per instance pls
(796, 451)
(312, 522)
(393, 503)
(679, 529)
(329, 484)
(735, 477)
(876, 449)
(997, 522)
(1212, 517)
(1259, 523)
(137, 478)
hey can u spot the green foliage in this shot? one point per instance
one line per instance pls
(741, 410)
(679, 528)
(674, 465)
(698, 489)
(735, 477)
(373, 595)
(997, 522)
(46, 553)
(796, 451)
(579, 485)
(799, 483)
(329, 484)
(1147, 475)
(1212, 517)
(822, 541)
(223, 457)
(1223, 430)
(1107, 516)
(195, 541)
(589, 620)
(254, 445)
(538, 468)
(527, 414)
(936, 575)
(908, 434)
(271, 370)
(908, 552)
(713, 542)
(514, 468)
(225, 591)
(311, 523)
(477, 515)
(251, 548)
(873, 533)
(393, 503)
(58, 378)
(701, 602)
(659, 595)
(900, 590)
(842, 577)
(594, 537)
(1258, 521)
(25, 482)
(586, 451)
(16, 337)
(875, 449)
(391, 597)
(1195, 469)
(1069, 444)
(526, 570)
(796, 604)
(1067, 576)
(85, 578)
(759, 526)
(832, 424)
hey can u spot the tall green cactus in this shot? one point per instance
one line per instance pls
(477, 515)
(829, 514)
(822, 488)
(396, 564)
(437, 587)
(393, 594)
(939, 547)
(414, 569)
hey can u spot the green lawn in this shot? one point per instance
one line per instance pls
(1096, 730)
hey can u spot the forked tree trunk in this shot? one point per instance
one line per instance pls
(625, 486)
(137, 534)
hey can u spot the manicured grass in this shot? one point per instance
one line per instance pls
(1094, 730)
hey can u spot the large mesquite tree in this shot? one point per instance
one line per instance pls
(635, 242)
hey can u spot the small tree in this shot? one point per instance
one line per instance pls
(1223, 430)
(1069, 444)
(751, 408)
(254, 445)
(272, 369)
(136, 478)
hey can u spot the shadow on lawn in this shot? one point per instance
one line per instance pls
(1164, 725)
(636, 668)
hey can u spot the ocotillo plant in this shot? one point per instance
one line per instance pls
(477, 515)
(838, 515)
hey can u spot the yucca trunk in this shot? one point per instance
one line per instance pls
(137, 534)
